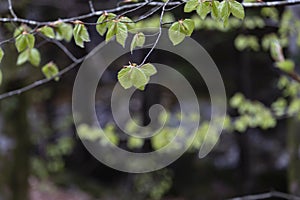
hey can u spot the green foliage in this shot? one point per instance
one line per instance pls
(24, 41)
(134, 142)
(132, 75)
(81, 34)
(47, 31)
(137, 41)
(270, 12)
(32, 55)
(64, 31)
(180, 29)
(50, 70)
(102, 22)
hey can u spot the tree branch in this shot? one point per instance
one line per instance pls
(40, 82)
(132, 6)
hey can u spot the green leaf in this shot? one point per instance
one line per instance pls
(148, 69)
(64, 31)
(1, 54)
(190, 5)
(50, 70)
(132, 76)
(81, 34)
(111, 31)
(23, 41)
(224, 8)
(121, 33)
(124, 77)
(138, 78)
(47, 31)
(137, 41)
(175, 35)
(214, 9)
(287, 66)
(237, 9)
(23, 57)
(188, 26)
(128, 22)
(34, 57)
(203, 9)
(276, 51)
(101, 25)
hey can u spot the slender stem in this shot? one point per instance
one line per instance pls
(11, 10)
(159, 33)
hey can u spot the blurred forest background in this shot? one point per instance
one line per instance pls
(42, 158)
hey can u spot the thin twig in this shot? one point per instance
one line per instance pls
(40, 82)
(159, 34)
(61, 46)
(11, 10)
(91, 6)
(130, 6)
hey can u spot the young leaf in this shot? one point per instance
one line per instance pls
(111, 31)
(50, 70)
(190, 5)
(134, 142)
(23, 41)
(47, 31)
(23, 57)
(148, 69)
(121, 33)
(137, 41)
(128, 22)
(34, 57)
(1, 54)
(64, 31)
(138, 78)
(102, 21)
(214, 9)
(286, 66)
(203, 9)
(124, 77)
(175, 34)
(81, 34)
(224, 9)
(188, 26)
(237, 9)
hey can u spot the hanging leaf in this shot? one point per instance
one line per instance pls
(215, 9)
(187, 26)
(23, 41)
(47, 31)
(101, 26)
(190, 6)
(50, 70)
(175, 35)
(34, 57)
(134, 142)
(148, 69)
(128, 22)
(203, 9)
(81, 34)
(64, 31)
(135, 76)
(237, 9)
(23, 57)
(137, 41)
(111, 31)
(121, 33)
(1, 54)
